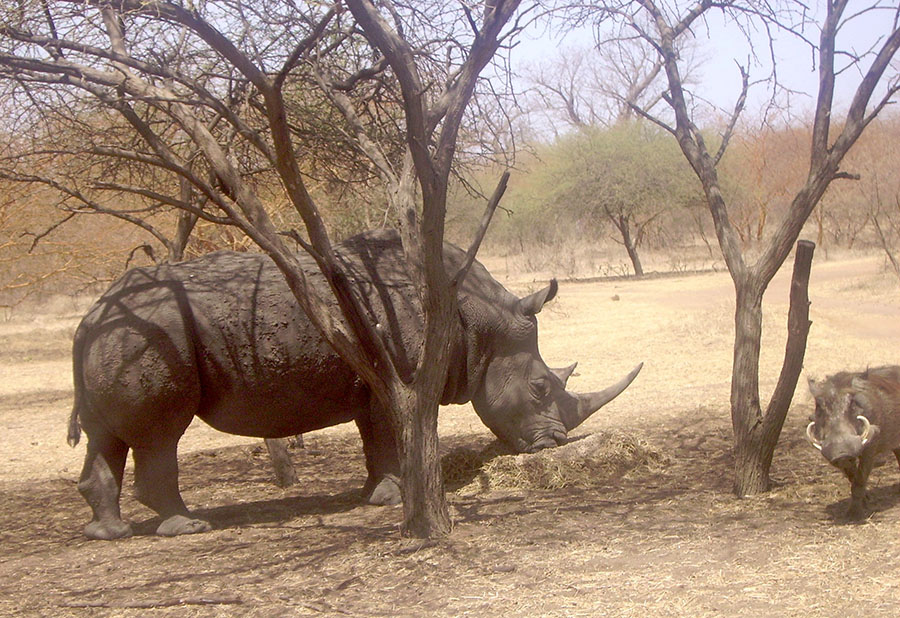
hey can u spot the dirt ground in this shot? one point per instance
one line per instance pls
(670, 540)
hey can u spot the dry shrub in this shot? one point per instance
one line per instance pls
(593, 461)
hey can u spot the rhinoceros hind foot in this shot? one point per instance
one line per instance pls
(386, 492)
(107, 530)
(179, 524)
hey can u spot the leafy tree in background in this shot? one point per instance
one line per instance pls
(629, 176)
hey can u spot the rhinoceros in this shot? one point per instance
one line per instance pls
(857, 418)
(221, 337)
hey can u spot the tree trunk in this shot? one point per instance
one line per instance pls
(895, 264)
(746, 414)
(623, 224)
(414, 423)
(635, 259)
(285, 475)
(755, 434)
(185, 224)
(425, 512)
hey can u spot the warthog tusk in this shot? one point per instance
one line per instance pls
(811, 437)
(867, 429)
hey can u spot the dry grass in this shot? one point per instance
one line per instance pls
(593, 461)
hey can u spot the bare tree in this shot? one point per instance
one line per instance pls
(663, 25)
(884, 212)
(596, 87)
(213, 95)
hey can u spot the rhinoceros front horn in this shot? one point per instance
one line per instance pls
(591, 402)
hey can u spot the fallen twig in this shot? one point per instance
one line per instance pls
(149, 604)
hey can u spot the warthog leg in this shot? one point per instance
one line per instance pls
(101, 484)
(858, 477)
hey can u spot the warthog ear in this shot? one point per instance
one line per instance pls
(858, 383)
(814, 388)
(533, 303)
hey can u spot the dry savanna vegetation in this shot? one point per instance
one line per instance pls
(275, 125)
(634, 518)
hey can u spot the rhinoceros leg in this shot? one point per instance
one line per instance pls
(101, 485)
(156, 484)
(382, 463)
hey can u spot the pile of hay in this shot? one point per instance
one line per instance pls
(593, 461)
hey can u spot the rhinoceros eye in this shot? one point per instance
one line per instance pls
(540, 387)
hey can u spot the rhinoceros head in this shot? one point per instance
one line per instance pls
(521, 400)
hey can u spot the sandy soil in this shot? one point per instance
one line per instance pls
(667, 541)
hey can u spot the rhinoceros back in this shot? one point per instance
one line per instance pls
(220, 337)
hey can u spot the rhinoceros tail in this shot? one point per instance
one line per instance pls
(74, 428)
(74, 434)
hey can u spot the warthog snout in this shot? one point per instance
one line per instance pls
(841, 446)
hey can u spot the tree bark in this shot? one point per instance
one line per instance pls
(425, 512)
(631, 248)
(624, 225)
(285, 475)
(756, 434)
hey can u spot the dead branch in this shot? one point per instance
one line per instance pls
(482, 230)
(886, 246)
(40, 235)
(738, 108)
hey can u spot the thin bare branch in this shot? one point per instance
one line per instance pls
(738, 108)
(38, 236)
(481, 231)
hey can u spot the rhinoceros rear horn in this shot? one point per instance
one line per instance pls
(564, 372)
(591, 402)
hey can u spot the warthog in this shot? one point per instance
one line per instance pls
(857, 418)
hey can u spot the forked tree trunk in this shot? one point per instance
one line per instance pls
(415, 416)
(755, 433)
(624, 225)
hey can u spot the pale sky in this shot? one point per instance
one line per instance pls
(721, 45)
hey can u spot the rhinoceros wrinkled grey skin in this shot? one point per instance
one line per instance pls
(857, 418)
(222, 337)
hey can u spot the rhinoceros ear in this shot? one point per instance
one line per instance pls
(533, 303)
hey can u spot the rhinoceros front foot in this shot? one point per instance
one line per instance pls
(385, 493)
(108, 530)
(179, 524)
